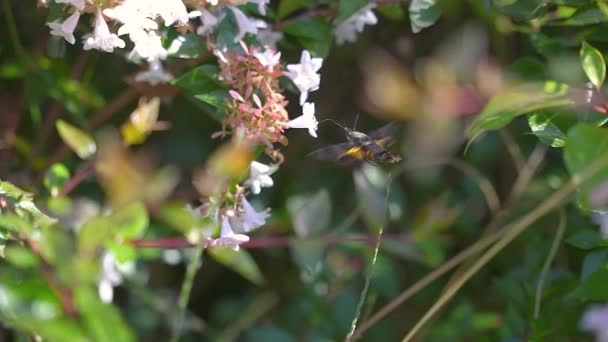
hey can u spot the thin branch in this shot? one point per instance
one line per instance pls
(483, 183)
(513, 149)
(425, 281)
(80, 175)
(511, 232)
(194, 265)
(370, 271)
(561, 229)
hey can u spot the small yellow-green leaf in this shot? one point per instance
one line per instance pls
(239, 261)
(593, 64)
(20, 256)
(55, 178)
(78, 140)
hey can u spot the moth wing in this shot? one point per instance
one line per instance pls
(385, 135)
(332, 152)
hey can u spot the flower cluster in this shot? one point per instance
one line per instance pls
(257, 103)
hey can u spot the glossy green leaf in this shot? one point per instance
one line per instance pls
(78, 140)
(586, 144)
(347, 8)
(240, 262)
(511, 103)
(546, 131)
(593, 64)
(216, 98)
(200, 80)
(584, 16)
(310, 214)
(55, 178)
(423, 13)
(315, 35)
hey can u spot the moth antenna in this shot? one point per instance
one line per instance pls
(335, 123)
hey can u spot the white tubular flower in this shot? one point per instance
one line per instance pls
(304, 75)
(212, 2)
(209, 22)
(134, 18)
(601, 218)
(148, 46)
(347, 30)
(595, 320)
(66, 29)
(245, 24)
(259, 177)
(262, 4)
(248, 219)
(155, 74)
(228, 238)
(102, 39)
(269, 37)
(306, 120)
(111, 276)
(78, 4)
(170, 11)
(268, 58)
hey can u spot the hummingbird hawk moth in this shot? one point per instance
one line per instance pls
(370, 148)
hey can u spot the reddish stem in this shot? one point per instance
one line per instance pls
(80, 175)
(270, 241)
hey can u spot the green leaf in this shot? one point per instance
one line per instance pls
(94, 233)
(216, 98)
(314, 34)
(286, 7)
(370, 188)
(123, 252)
(131, 221)
(15, 223)
(20, 256)
(585, 239)
(79, 141)
(546, 131)
(58, 329)
(593, 65)
(391, 11)
(103, 321)
(200, 80)
(55, 178)
(347, 8)
(239, 261)
(586, 143)
(423, 13)
(506, 106)
(593, 287)
(310, 214)
(593, 262)
(584, 16)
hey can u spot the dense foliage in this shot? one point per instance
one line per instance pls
(156, 182)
